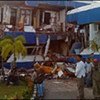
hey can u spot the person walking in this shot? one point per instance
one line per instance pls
(80, 74)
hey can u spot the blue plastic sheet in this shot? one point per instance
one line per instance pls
(66, 3)
(29, 36)
(85, 17)
(26, 65)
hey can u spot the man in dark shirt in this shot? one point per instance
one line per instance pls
(96, 79)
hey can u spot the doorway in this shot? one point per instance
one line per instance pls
(47, 17)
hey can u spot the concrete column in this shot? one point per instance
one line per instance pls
(62, 19)
(92, 31)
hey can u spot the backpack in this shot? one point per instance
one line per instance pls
(39, 79)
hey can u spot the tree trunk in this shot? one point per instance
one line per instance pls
(1, 67)
(3, 73)
(14, 60)
(14, 63)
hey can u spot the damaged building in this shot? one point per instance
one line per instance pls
(45, 19)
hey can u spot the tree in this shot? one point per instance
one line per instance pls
(10, 45)
(95, 43)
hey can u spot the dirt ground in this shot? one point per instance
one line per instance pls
(64, 89)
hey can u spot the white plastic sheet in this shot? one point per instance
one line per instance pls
(29, 29)
(60, 73)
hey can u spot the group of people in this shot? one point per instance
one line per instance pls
(84, 73)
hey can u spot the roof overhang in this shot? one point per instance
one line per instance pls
(85, 15)
(73, 4)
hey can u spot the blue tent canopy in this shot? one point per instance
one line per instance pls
(84, 15)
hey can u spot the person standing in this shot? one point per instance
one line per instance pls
(80, 74)
(39, 80)
(88, 67)
(96, 79)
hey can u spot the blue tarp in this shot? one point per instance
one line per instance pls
(94, 56)
(85, 17)
(66, 3)
(72, 18)
(36, 3)
(76, 4)
(43, 38)
(73, 59)
(29, 36)
(26, 65)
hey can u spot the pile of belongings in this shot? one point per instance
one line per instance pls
(70, 68)
(67, 69)
(60, 70)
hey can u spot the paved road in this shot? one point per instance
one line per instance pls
(64, 89)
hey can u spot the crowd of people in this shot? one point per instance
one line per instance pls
(85, 72)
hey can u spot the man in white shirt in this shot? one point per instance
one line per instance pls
(80, 74)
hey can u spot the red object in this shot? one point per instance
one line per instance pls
(95, 60)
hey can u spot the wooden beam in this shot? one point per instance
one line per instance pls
(27, 47)
(50, 7)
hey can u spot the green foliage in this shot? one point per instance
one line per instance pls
(27, 94)
(94, 46)
(20, 38)
(5, 42)
(95, 43)
(12, 45)
(12, 91)
(6, 50)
